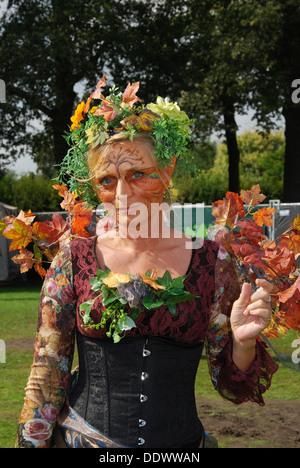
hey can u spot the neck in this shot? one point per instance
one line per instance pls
(148, 235)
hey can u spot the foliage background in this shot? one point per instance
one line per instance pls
(217, 58)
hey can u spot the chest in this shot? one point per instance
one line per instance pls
(176, 261)
(191, 319)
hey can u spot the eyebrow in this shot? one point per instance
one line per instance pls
(137, 169)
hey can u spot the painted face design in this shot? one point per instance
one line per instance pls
(130, 170)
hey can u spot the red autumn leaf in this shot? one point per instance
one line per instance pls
(252, 197)
(264, 216)
(281, 261)
(20, 233)
(251, 231)
(24, 259)
(292, 242)
(289, 313)
(228, 210)
(129, 95)
(249, 254)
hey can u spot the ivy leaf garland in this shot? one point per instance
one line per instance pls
(139, 292)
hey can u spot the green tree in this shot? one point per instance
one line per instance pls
(29, 192)
(247, 55)
(261, 162)
(46, 48)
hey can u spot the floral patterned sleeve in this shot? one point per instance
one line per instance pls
(228, 380)
(53, 354)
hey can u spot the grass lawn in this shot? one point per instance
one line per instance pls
(18, 320)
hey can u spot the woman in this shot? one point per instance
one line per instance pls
(140, 391)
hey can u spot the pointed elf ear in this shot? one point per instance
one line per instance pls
(170, 169)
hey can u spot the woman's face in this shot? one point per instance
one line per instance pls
(128, 177)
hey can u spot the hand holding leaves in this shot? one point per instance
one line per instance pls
(257, 257)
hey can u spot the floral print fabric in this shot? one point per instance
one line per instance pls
(211, 277)
(50, 372)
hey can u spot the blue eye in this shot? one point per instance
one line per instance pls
(106, 181)
(138, 175)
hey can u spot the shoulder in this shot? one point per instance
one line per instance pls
(82, 246)
(204, 248)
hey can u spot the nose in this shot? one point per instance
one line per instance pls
(122, 189)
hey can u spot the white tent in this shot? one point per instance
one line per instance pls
(8, 269)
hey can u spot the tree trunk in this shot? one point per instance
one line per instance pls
(60, 122)
(232, 147)
(292, 154)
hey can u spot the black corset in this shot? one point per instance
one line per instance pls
(139, 392)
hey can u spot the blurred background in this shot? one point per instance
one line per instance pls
(232, 66)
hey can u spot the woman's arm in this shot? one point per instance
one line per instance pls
(239, 365)
(53, 354)
(250, 315)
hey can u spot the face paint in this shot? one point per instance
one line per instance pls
(131, 163)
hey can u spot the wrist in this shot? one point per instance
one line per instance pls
(244, 345)
(243, 353)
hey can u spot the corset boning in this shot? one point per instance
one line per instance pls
(139, 392)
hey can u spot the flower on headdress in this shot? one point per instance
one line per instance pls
(129, 95)
(166, 108)
(78, 116)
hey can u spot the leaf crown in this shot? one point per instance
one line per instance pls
(92, 125)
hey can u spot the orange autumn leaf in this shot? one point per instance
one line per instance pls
(264, 216)
(296, 224)
(284, 296)
(20, 234)
(39, 269)
(62, 189)
(129, 95)
(97, 93)
(24, 259)
(82, 218)
(252, 197)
